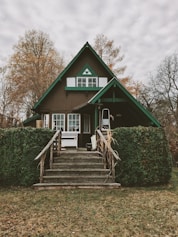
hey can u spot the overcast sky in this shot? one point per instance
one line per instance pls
(146, 30)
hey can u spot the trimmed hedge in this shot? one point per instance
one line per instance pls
(145, 155)
(18, 148)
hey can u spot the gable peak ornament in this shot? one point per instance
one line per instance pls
(87, 72)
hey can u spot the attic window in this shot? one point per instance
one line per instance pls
(92, 82)
(87, 81)
(81, 81)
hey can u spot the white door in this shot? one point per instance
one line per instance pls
(105, 119)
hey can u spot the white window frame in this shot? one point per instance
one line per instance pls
(86, 124)
(46, 120)
(58, 123)
(93, 82)
(73, 124)
(84, 82)
(81, 82)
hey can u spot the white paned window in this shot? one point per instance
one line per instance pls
(87, 82)
(86, 123)
(46, 121)
(92, 82)
(81, 82)
(58, 122)
(74, 122)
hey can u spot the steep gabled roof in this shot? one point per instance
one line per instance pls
(86, 46)
(113, 83)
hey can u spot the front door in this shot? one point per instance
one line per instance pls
(105, 119)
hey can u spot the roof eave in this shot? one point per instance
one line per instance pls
(31, 119)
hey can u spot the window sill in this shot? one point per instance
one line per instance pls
(82, 88)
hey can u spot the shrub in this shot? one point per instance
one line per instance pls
(145, 156)
(18, 148)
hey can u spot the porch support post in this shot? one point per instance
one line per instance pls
(99, 116)
(96, 117)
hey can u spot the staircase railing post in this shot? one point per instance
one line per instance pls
(104, 151)
(42, 155)
(42, 161)
(113, 167)
(51, 156)
(59, 143)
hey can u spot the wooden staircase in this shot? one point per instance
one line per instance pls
(77, 169)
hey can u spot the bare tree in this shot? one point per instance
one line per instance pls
(110, 54)
(9, 113)
(134, 87)
(165, 86)
(5, 90)
(32, 68)
(161, 96)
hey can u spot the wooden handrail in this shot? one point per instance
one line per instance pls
(42, 154)
(45, 149)
(109, 155)
(108, 145)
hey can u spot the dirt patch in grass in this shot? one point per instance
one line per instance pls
(122, 212)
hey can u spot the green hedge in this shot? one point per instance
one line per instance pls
(18, 148)
(145, 156)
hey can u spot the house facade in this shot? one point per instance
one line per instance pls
(87, 95)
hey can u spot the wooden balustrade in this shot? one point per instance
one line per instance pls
(110, 156)
(54, 146)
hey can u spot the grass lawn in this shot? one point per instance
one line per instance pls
(122, 212)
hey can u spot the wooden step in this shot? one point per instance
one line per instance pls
(77, 159)
(84, 171)
(56, 186)
(77, 165)
(75, 152)
(77, 179)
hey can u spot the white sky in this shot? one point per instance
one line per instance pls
(146, 30)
